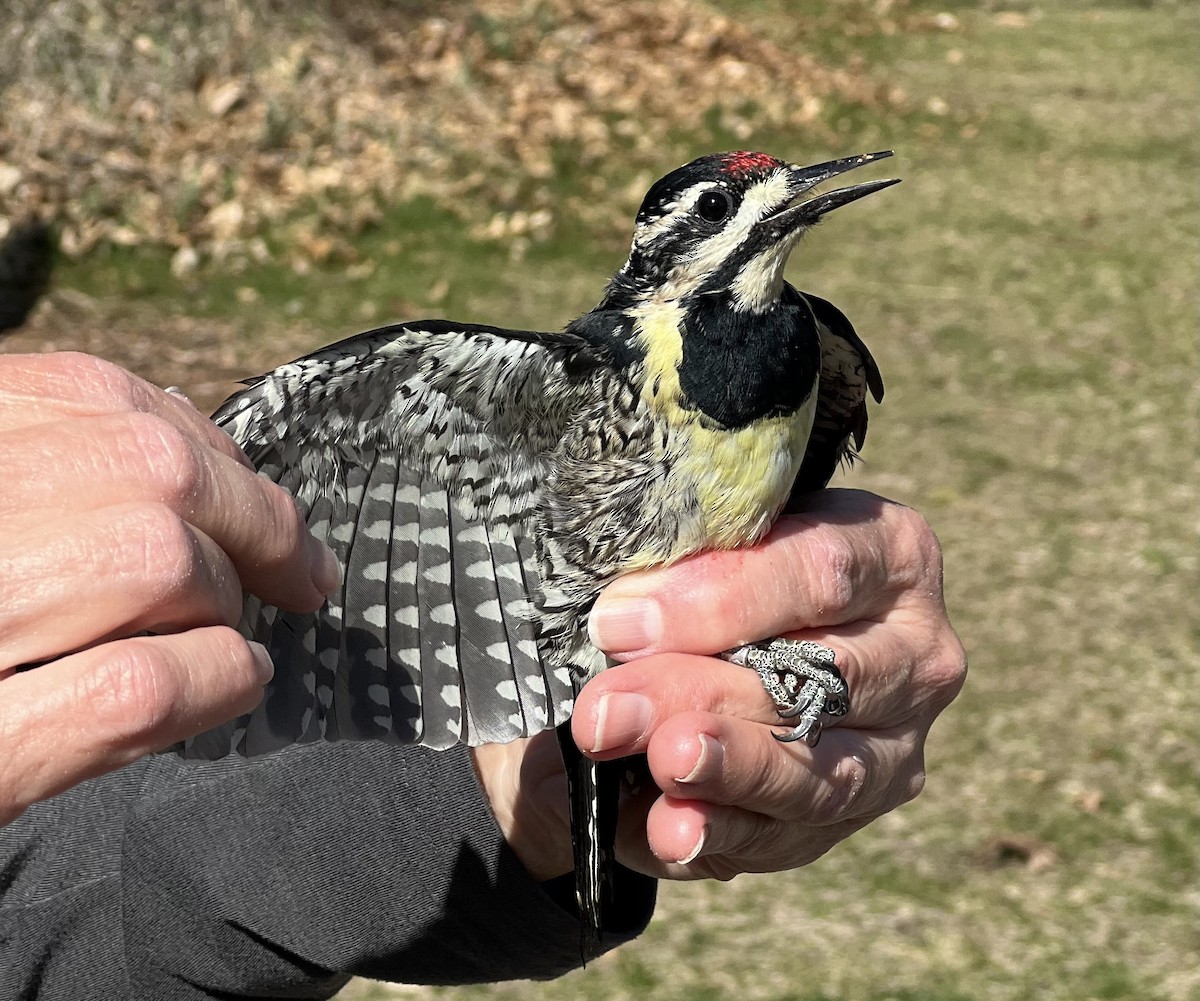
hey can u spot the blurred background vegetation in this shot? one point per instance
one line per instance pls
(236, 183)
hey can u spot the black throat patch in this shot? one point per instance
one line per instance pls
(739, 367)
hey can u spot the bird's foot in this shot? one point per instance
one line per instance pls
(802, 679)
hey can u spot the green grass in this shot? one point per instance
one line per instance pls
(1030, 292)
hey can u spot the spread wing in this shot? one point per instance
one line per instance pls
(848, 374)
(418, 452)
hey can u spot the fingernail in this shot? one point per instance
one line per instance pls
(180, 395)
(264, 670)
(324, 567)
(708, 762)
(696, 849)
(621, 718)
(620, 625)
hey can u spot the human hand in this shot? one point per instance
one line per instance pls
(124, 511)
(854, 572)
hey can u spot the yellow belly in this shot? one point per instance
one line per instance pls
(739, 479)
(742, 478)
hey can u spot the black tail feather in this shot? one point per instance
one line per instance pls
(593, 789)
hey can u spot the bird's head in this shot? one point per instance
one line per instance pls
(726, 223)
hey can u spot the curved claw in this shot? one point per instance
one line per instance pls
(809, 708)
(806, 732)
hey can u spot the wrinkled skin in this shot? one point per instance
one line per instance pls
(854, 572)
(123, 510)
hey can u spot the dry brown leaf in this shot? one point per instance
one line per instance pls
(208, 137)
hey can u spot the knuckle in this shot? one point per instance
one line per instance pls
(132, 690)
(94, 377)
(914, 786)
(167, 558)
(844, 791)
(908, 780)
(177, 464)
(835, 566)
(947, 669)
(170, 458)
(917, 550)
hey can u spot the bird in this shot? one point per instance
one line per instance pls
(27, 255)
(480, 486)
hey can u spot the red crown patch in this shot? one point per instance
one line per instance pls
(748, 162)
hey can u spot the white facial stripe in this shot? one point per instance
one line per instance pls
(759, 283)
(673, 215)
(760, 200)
(648, 232)
(766, 194)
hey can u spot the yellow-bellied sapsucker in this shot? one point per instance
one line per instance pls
(480, 486)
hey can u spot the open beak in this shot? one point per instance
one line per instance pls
(805, 179)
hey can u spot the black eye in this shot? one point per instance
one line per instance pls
(714, 205)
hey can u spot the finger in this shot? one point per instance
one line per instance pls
(43, 388)
(618, 710)
(125, 457)
(526, 787)
(100, 709)
(850, 556)
(697, 840)
(111, 572)
(850, 774)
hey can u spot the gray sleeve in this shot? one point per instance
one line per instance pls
(281, 875)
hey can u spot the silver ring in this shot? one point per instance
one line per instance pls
(803, 682)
